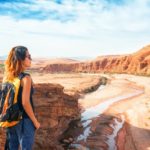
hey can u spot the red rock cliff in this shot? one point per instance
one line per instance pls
(55, 110)
(136, 63)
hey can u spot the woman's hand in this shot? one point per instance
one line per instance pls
(37, 125)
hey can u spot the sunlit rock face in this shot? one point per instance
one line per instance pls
(54, 110)
(136, 63)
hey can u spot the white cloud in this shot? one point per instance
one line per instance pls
(96, 29)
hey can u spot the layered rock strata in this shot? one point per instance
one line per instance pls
(136, 63)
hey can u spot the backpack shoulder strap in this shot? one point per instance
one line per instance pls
(22, 75)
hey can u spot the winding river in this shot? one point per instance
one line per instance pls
(90, 113)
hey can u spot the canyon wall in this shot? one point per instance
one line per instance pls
(136, 63)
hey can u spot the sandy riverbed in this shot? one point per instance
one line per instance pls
(136, 110)
(137, 113)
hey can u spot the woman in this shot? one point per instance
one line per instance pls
(21, 134)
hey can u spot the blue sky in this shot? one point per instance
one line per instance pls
(72, 28)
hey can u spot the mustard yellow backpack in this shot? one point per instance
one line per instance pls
(10, 113)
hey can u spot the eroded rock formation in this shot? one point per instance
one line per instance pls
(55, 110)
(136, 63)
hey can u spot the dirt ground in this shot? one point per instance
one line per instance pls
(71, 82)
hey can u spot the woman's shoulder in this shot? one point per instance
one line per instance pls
(25, 79)
(24, 74)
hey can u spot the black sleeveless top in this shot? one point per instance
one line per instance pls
(25, 115)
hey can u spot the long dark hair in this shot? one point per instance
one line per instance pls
(14, 62)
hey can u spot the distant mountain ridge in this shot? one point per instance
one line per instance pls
(135, 63)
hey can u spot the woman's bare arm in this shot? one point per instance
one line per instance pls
(26, 83)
